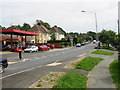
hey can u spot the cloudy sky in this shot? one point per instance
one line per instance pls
(63, 13)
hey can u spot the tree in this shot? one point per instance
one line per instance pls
(18, 27)
(25, 27)
(107, 37)
(93, 34)
(47, 25)
(1, 28)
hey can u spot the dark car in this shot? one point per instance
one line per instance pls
(3, 64)
(97, 47)
(3, 48)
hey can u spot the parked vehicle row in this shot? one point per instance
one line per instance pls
(81, 44)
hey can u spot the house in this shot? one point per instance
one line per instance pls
(44, 34)
(59, 33)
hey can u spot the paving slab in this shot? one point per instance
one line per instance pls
(100, 76)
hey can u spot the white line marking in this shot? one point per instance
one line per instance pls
(20, 72)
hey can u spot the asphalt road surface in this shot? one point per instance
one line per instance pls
(24, 72)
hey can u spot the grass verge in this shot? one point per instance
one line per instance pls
(102, 52)
(88, 63)
(115, 73)
(72, 80)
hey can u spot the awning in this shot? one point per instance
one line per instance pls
(17, 32)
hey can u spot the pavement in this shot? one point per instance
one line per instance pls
(100, 76)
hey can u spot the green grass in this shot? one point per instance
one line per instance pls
(102, 52)
(72, 80)
(115, 73)
(110, 48)
(88, 63)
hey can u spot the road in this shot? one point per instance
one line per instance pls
(24, 72)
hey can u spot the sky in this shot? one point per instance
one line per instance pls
(63, 13)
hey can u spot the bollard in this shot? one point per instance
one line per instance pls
(20, 55)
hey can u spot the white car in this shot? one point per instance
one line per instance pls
(31, 49)
(78, 45)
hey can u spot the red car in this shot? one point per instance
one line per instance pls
(51, 46)
(43, 48)
(17, 49)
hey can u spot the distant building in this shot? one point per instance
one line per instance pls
(44, 34)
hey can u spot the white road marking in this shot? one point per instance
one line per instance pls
(54, 64)
(20, 72)
(82, 55)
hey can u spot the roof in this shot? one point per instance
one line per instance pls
(39, 28)
(56, 29)
(17, 32)
(68, 36)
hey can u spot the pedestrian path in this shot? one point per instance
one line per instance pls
(100, 76)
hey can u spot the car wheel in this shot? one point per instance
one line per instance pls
(1, 69)
(36, 50)
(30, 51)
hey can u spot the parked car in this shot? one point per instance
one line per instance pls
(78, 45)
(51, 46)
(3, 64)
(82, 44)
(31, 49)
(44, 48)
(3, 48)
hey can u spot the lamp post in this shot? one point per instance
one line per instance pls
(95, 25)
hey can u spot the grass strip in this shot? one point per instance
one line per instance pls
(102, 52)
(72, 80)
(115, 73)
(88, 63)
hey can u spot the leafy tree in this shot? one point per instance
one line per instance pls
(47, 25)
(25, 27)
(93, 34)
(18, 27)
(107, 37)
(1, 28)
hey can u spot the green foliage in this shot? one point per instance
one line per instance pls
(93, 34)
(107, 37)
(72, 80)
(115, 73)
(78, 40)
(47, 25)
(102, 52)
(25, 27)
(1, 28)
(88, 63)
(18, 27)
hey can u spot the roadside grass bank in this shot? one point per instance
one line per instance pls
(88, 63)
(115, 73)
(72, 79)
(105, 47)
(47, 81)
(102, 52)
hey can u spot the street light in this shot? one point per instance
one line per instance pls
(95, 24)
